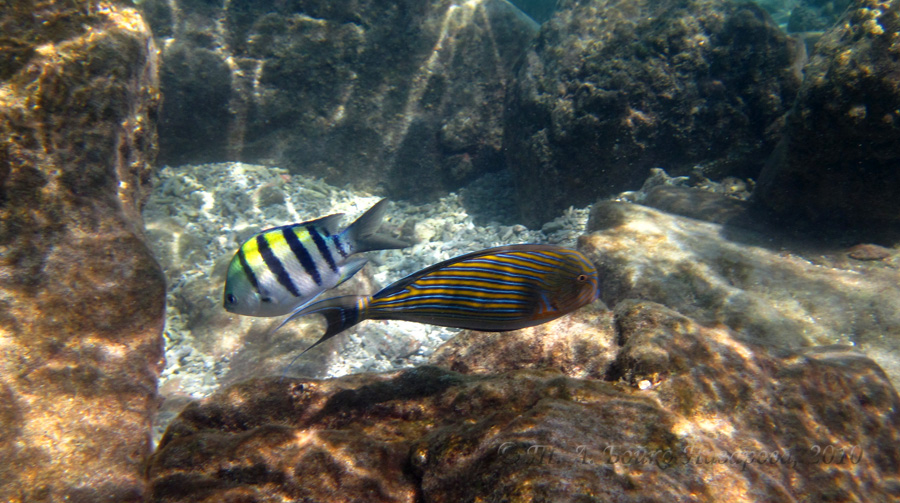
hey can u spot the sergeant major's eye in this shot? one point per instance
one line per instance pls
(230, 298)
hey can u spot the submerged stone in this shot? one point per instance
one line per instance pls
(836, 165)
(612, 89)
(777, 290)
(407, 95)
(722, 420)
(581, 344)
(81, 297)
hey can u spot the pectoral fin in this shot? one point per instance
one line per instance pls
(351, 267)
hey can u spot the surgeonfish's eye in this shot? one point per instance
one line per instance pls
(231, 299)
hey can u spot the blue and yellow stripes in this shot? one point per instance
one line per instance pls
(504, 288)
(488, 288)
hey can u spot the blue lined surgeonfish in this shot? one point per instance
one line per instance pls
(498, 289)
(284, 268)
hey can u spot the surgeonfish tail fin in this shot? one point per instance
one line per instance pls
(362, 231)
(340, 314)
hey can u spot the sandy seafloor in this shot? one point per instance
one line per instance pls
(198, 215)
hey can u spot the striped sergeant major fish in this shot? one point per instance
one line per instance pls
(498, 289)
(284, 268)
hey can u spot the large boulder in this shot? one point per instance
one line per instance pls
(837, 163)
(81, 297)
(407, 96)
(775, 289)
(609, 91)
(681, 409)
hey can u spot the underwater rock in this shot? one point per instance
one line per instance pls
(815, 15)
(867, 251)
(581, 344)
(702, 205)
(837, 162)
(81, 298)
(192, 116)
(609, 91)
(773, 290)
(406, 95)
(685, 409)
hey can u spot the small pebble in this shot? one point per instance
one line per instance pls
(869, 252)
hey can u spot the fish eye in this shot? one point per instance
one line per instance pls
(230, 298)
(266, 299)
(582, 278)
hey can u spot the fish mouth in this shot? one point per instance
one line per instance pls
(232, 307)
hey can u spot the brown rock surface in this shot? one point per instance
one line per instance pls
(81, 297)
(779, 291)
(581, 344)
(868, 251)
(702, 422)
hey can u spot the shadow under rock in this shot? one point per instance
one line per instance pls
(418, 382)
(745, 222)
(492, 198)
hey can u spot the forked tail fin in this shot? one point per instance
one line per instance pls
(340, 314)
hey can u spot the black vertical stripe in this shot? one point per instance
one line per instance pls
(322, 246)
(247, 270)
(302, 255)
(275, 265)
(340, 245)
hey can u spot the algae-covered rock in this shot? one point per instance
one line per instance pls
(684, 410)
(837, 163)
(406, 96)
(611, 89)
(81, 297)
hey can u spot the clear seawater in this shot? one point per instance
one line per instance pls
(202, 210)
(262, 125)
